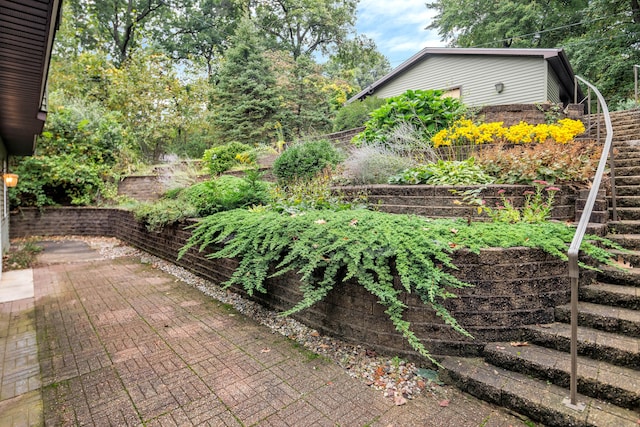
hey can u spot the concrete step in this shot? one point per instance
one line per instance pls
(628, 201)
(627, 180)
(605, 318)
(613, 295)
(620, 276)
(596, 378)
(631, 258)
(627, 171)
(628, 214)
(624, 227)
(627, 241)
(627, 190)
(539, 400)
(597, 217)
(592, 343)
(628, 160)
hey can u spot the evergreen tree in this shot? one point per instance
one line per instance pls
(245, 96)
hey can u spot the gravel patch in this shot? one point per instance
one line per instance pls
(396, 378)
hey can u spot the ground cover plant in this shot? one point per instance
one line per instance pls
(444, 173)
(328, 247)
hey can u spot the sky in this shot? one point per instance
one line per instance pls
(397, 27)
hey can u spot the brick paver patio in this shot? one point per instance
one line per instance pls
(121, 343)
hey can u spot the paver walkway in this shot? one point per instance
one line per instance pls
(121, 343)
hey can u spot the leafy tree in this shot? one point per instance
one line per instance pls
(199, 30)
(305, 93)
(118, 26)
(160, 112)
(358, 61)
(510, 23)
(245, 99)
(303, 27)
(606, 53)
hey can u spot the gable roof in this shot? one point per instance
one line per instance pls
(556, 58)
(27, 30)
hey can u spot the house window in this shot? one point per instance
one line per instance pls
(455, 92)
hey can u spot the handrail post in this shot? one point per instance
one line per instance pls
(574, 248)
(635, 82)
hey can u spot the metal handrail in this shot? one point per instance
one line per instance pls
(574, 248)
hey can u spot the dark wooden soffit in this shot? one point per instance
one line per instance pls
(27, 29)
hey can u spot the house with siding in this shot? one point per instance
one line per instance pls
(27, 30)
(482, 77)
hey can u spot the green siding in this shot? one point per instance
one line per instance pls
(524, 78)
(553, 86)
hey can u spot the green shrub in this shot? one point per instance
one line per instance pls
(205, 198)
(157, 214)
(426, 110)
(60, 180)
(330, 248)
(355, 115)
(444, 173)
(226, 193)
(305, 159)
(223, 157)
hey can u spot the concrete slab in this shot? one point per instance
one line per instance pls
(16, 285)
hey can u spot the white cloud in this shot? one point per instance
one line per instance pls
(397, 27)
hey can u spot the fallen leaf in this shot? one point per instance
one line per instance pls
(315, 334)
(265, 350)
(320, 221)
(452, 245)
(399, 400)
(444, 403)
(353, 222)
(519, 344)
(620, 262)
(324, 346)
(454, 230)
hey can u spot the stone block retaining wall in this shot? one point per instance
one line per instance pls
(444, 201)
(512, 287)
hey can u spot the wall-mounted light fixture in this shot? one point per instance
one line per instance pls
(499, 87)
(10, 179)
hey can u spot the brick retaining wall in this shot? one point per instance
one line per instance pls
(512, 287)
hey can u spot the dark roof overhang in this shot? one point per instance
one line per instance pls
(27, 30)
(555, 57)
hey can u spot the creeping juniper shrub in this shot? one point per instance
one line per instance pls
(327, 248)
